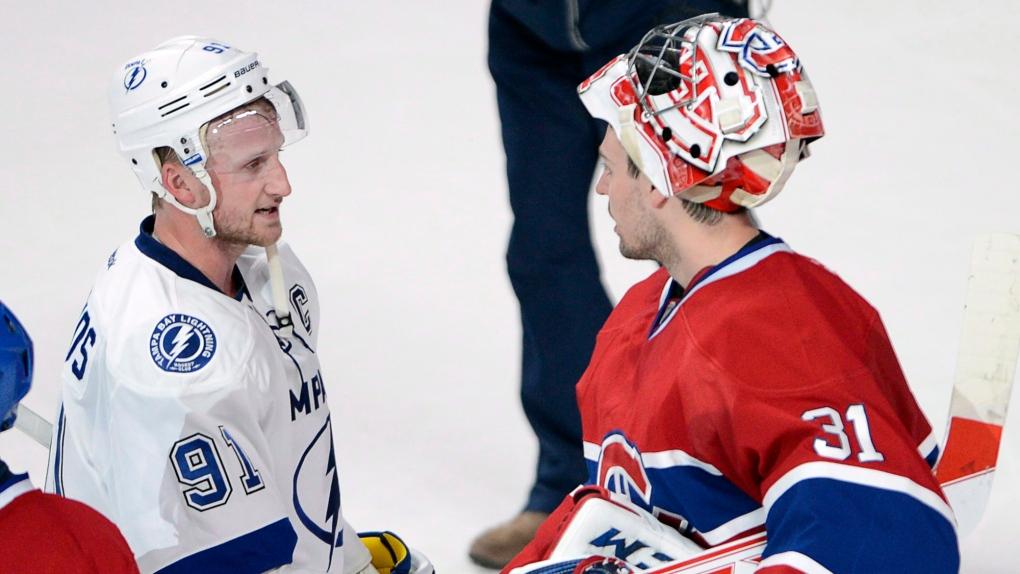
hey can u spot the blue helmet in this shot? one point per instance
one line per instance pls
(15, 366)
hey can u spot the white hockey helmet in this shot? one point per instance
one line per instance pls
(165, 98)
(713, 109)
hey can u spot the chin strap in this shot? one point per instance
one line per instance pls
(283, 320)
(203, 215)
(192, 148)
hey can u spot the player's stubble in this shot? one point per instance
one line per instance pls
(252, 230)
(647, 240)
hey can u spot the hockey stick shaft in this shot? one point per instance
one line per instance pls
(32, 424)
(985, 369)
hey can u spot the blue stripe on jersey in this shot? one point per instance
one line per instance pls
(58, 457)
(268, 547)
(8, 478)
(707, 501)
(849, 527)
(932, 457)
(567, 567)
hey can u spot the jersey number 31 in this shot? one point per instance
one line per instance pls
(858, 418)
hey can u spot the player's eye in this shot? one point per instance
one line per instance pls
(254, 164)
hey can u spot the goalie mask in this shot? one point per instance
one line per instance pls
(712, 109)
(168, 96)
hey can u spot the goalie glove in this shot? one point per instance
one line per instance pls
(591, 521)
(390, 555)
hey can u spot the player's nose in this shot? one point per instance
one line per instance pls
(602, 186)
(278, 184)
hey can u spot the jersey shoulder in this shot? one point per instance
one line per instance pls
(785, 322)
(157, 327)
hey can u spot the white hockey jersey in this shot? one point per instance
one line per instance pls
(188, 423)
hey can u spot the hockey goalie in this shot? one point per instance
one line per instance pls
(742, 387)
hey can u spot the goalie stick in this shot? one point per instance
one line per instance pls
(985, 369)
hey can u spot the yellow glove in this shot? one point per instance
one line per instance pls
(389, 553)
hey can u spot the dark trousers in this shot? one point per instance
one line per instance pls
(551, 146)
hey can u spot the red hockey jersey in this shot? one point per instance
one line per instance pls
(767, 394)
(47, 533)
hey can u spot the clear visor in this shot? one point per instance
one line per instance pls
(249, 139)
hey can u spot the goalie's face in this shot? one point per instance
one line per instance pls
(251, 182)
(631, 200)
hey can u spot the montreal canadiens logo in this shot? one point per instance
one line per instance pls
(621, 470)
(182, 344)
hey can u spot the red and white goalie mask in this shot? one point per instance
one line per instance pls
(712, 109)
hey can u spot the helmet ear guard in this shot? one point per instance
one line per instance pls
(712, 109)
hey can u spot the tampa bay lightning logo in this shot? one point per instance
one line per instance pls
(318, 465)
(135, 75)
(181, 343)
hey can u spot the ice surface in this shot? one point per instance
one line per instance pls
(400, 212)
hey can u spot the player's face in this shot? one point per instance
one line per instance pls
(640, 233)
(244, 164)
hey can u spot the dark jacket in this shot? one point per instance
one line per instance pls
(582, 25)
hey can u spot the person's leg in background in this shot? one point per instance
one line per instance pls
(551, 150)
(551, 146)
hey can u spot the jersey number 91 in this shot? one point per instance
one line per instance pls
(198, 465)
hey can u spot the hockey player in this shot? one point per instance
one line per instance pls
(43, 532)
(194, 410)
(741, 387)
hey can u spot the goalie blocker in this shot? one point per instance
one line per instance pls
(592, 523)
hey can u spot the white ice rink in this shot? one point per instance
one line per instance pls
(400, 212)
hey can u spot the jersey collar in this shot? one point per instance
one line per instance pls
(169, 258)
(752, 253)
(12, 485)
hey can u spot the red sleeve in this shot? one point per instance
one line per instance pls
(46, 533)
